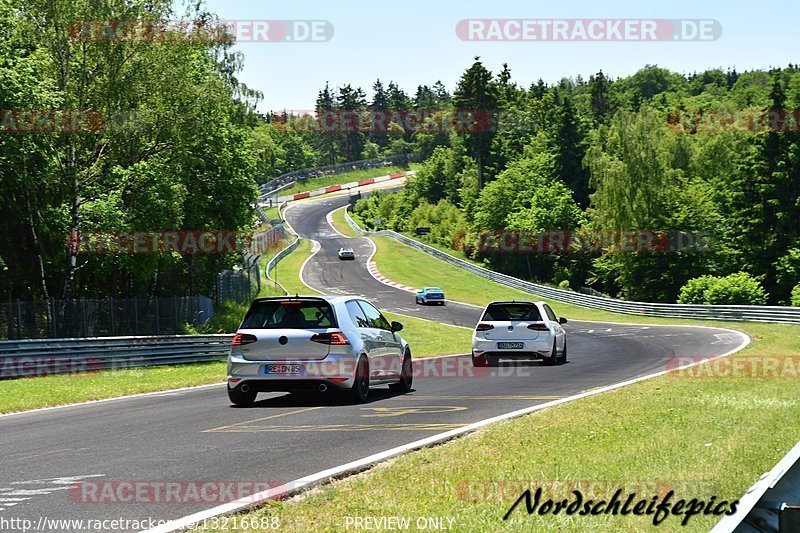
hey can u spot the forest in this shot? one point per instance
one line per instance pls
(108, 135)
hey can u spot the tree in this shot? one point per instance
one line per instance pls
(598, 89)
(568, 145)
(326, 140)
(379, 105)
(477, 96)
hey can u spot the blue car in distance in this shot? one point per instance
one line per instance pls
(430, 295)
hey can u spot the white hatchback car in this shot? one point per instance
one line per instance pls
(519, 330)
(296, 343)
(346, 253)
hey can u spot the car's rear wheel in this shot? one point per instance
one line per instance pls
(406, 376)
(479, 360)
(243, 395)
(360, 390)
(553, 359)
(418, 301)
(564, 353)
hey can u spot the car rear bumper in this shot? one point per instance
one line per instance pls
(305, 385)
(335, 370)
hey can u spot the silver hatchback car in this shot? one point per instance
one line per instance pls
(297, 343)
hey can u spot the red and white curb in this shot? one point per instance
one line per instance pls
(334, 188)
(373, 271)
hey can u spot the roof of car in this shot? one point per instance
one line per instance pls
(330, 299)
(515, 302)
(432, 289)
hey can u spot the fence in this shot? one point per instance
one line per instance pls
(788, 315)
(273, 186)
(241, 284)
(27, 358)
(90, 317)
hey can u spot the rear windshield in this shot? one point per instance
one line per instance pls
(435, 290)
(289, 314)
(512, 311)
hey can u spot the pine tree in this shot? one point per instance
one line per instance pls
(570, 149)
(350, 102)
(379, 105)
(477, 95)
(598, 90)
(325, 140)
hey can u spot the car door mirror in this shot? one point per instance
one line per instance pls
(562, 320)
(397, 326)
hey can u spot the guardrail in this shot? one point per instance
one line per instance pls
(39, 357)
(284, 180)
(755, 313)
(280, 255)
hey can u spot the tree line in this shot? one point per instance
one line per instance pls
(715, 153)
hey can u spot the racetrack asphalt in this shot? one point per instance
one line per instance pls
(196, 435)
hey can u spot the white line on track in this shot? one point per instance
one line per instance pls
(307, 482)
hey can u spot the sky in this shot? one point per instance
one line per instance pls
(415, 42)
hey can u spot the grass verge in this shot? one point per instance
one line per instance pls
(340, 224)
(46, 391)
(710, 431)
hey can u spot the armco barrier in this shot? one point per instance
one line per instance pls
(280, 255)
(38, 357)
(334, 188)
(756, 313)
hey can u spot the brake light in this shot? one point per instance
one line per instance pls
(541, 326)
(336, 338)
(484, 327)
(240, 339)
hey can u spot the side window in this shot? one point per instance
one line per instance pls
(550, 314)
(374, 316)
(357, 314)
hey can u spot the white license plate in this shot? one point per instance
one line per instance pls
(282, 369)
(510, 345)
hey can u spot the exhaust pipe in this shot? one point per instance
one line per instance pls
(244, 387)
(323, 387)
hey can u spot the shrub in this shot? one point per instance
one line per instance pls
(796, 295)
(736, 289)
(695, 289)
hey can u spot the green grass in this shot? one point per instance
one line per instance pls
(31, 393)
(428, 338)
(341, 225)
(286, 272)
(338, 179)
(703, 437)
(410, 266)
(271, 212)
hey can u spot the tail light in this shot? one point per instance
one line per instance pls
(240, 339)
(541, 326)
(484, 327)
(336, 338)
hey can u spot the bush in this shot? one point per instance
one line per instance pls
(694, 292)
(737, 289)
(796, 295)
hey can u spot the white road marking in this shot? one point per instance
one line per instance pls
(305, 483)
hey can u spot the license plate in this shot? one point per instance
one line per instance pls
(510, 345)
(282, 369)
